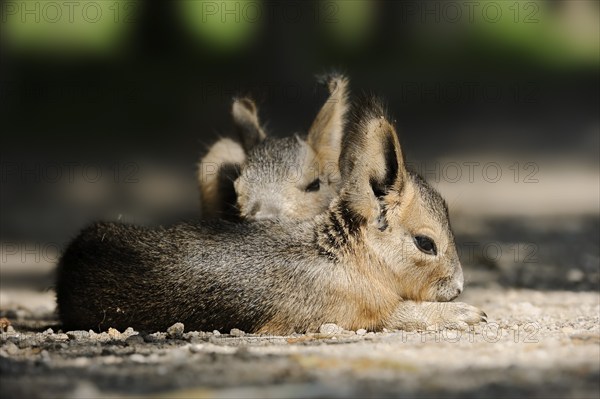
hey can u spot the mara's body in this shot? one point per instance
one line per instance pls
(208, 276)
(215, 277)
(259, 277)
(378, 257)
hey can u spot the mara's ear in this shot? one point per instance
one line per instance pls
(371, 162)
(325, 133)
(247, 124)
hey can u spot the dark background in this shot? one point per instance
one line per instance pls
(107, 120)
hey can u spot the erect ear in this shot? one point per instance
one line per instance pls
(371, 162)
(325, 133)
(245, 119)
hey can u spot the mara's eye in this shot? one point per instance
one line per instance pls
(426, 245)
(313, 186)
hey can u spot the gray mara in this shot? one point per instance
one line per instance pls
(381, 256)
(266, 177)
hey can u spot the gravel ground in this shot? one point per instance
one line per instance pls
(542, 339)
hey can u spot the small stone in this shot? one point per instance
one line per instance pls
(361, 331)
(11, 348)
(175, 331)
(48, 331)
(330, 329)
(385, 330)
(138, 358)
(4, 324)
(60, 337)
(196, 348)
(103, 337)
(235, 332)
(57, 337)
(575, 275)
(216, 333)
(78, 335)
(10, 330)
(45, 356)
(568, 330)
(113, 333)
(129, 332)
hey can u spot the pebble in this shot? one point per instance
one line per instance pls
(191, 334)
(330, 328)
(575, 275)
(138, 358)
(216, 333)
(48, 331)
(57, 337)
(11, 348)
(235, 332)
(175, 331)
(196, 348)
(45, 356)
(4, 323)
(113, 333)
(103, 337)
(78, 335)
(361, 331)
(129, 332)
(568, 330)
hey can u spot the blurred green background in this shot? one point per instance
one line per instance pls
(134, 91)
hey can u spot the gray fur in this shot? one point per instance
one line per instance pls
(277, 177)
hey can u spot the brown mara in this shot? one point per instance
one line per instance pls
(381, 256)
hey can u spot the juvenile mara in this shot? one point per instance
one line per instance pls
(381, 256)
(266, 177)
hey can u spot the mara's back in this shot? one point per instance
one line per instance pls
(207, 276)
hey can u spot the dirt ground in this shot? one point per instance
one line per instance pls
(540, 291)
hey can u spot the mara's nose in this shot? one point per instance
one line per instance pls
(264, 211)
(459, 291)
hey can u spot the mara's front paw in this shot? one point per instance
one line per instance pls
(455, 316)
(436, 316)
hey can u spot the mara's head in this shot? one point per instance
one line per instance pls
(293, 177)
(400, 218)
